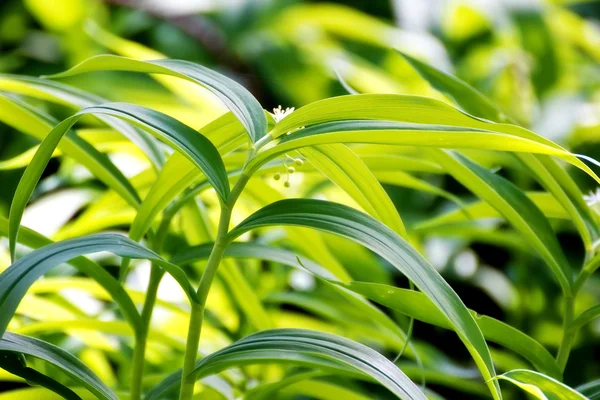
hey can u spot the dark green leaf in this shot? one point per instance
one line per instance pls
(58, 357)
(241, 102)
(304, 347)
(16, 279)
(359, 227)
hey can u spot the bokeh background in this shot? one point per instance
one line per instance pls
(538, 60)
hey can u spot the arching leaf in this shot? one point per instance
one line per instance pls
(363, 229)
(199, 150)
(304, 347)
(241, 102)
(59, 358)
(16, 279)
(540, 386)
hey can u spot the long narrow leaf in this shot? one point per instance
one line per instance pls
(194, 146)
(418, 306)
(59, 358)
(16, 280)
(304, 347)
(540, 386)
(514, 205)
(363, 229)
(246, 108)
(35, 240)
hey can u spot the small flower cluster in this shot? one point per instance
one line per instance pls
(279, 113)
(289, 169)
(593, 200)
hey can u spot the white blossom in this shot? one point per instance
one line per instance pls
(593, 198)
(279, 113)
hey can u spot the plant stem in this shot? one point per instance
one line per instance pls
(139, 352)
(568, 334)
(191, 352)
(197, 313)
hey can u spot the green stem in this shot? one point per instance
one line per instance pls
(188, 380)
(197, 314)
(141, 340)
(568, 334)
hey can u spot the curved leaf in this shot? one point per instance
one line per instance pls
(31, 121)
(241, 102)
(591, 389)
(304, 347)
(16, 279)
(550, 175)
(413, 134)
(418, 306)
(59, 358)
(361, 228)
(72, 97)
(341, 114)
(540, 385)
(193, 145)
(514, 205)
(466, 96)
(585, 317)
(16, 364)
(199, 150)
(178, 173)
(345, 169)
(117, 293)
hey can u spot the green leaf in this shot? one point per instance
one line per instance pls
(558, 182)
(304, 347)
(346, 169)
(418, 306)
(225, 133)
(514, 205)
(117, 293)
(591, 390)
(540, 385)
(15, 363)
(585, 317)
(241, 102)
(72, 97)
(31, 121)
(199, 150)
(193, 145)
(16, 279)
(545, 202)
(446, 127)
(361, 228)
(466, 96)
(548, 172)
(59, 358)
(510, 138)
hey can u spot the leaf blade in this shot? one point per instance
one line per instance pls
(354, 225)
(302, 346)
(246, 108)
(58, 357)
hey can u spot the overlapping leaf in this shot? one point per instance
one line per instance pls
(235, 96)
(59, 358)
(359, 227)
(304, 347)
(199, 150)
(16, 280)
(540, 386)
(418, 306)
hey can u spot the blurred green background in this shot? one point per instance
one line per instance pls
(538, 60)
